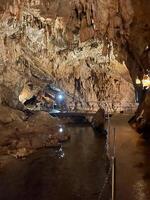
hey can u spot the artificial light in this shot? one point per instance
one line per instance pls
(60, 97)
(138, 81)
(146, 81)
(61, 130)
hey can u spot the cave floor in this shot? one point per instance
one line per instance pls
(132, 162)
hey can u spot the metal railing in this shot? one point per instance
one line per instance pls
(113, 161)
(111, 154)
(109, 107)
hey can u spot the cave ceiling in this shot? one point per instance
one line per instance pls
(126, 22)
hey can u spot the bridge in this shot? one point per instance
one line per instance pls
(72, 114)
(76, 116)
(83, 111)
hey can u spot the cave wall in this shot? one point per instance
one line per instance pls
(92, 49)
(83, 47)
(80, 46)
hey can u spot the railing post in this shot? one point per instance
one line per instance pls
(113, 178)
(114, 166)
(108, 132)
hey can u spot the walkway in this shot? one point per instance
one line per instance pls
(72, 114)
(133, 162)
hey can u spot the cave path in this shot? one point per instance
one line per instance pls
(132, 162)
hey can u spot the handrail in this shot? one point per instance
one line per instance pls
(113, 159)
(111, 153)
(107, 106)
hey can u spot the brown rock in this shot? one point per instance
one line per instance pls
(20, 137)
(141, 120)
(59, 41)
(8, 115)
(98, 121)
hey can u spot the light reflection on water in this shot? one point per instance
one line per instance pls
(60, 152)
(75, 171)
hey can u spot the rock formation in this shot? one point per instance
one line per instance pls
(71, 46)
(98, 121)
(93, 50)
(141, 120)
(21, 135)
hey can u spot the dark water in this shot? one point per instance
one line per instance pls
(74, 172)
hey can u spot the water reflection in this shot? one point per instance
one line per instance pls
(60, 152)
(75, 171)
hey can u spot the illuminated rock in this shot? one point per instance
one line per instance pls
(85, 47)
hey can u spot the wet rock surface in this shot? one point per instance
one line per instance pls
(22, 135)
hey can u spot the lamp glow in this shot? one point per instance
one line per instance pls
(146, 81)
(61, 130)
(60, 97)
(138, 81)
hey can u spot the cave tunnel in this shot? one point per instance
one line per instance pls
(74, 100)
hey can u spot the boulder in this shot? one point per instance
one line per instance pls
(8, 115)
(98, 121)
(21, 135)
